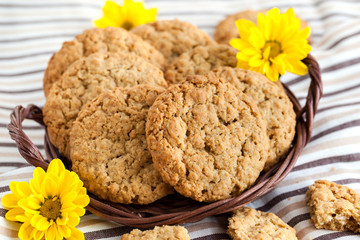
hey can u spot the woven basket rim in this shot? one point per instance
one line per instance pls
(176, 209)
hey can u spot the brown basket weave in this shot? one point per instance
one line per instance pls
(175, 209)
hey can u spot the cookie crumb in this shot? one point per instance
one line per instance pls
(158, 233)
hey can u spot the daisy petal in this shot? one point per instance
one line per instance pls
(63, 219)
(239, 43)
(53, 233)
(64, 230)
(56, 167)
(74, 219)
(10, 200)
(21, 189)
(15, 214)
(256, 61)
(38, 178)
(244, 27)
(298, 68)
(76, 234)
(25, 231)
(39, 222)
(49, 187)
(38, 235)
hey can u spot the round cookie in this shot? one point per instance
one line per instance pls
(248, 223)
(207, 139)
(200, 60)
(227, 30)
(84, 80)
(274, 105)
(109, 150)
(98, 40)
(172, 37)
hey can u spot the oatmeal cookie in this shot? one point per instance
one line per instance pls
(200, 60)
(207, 139)
(109, 150)
(250, 224)
(84, 80)
(158, 233)
(227, 30)
(172, 37)
(274, 105)
(98, 40)
(333, 206)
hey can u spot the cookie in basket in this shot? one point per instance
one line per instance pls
(334, 206)
(227, 30)
(109, 150)
(158, 233)
(87, 78)
(207, 139)
(274, 105)
(250, 224)
(172, 37)
(200, 60)
(98, 40)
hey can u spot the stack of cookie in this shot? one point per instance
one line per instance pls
(163, 107)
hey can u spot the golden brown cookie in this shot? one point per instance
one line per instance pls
(200, 60)
(333, 206)
(227, 30)
(250, 224)
(84, 80)
(172, 37)
(98, 40)
(109, 150)
(207, 139)
(158, 233)
(274, 105)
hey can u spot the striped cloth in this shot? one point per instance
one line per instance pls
(31, 31)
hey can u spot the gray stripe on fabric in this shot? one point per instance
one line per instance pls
(215, 236)
(332, 68)
(106, 233)
(21, 91)
(336, 106)
(340, 127)
(328, 160)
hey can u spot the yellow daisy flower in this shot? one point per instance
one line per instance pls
(275, 45)
(49, 206)
(128, 16)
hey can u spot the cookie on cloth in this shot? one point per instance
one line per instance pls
(109, 150)
(250, 224)
(227, 30)
(274, 105)
(207, 139)
(94, 40)
(84, 80)
(158, 233)
(334, 206)
(200, 60)
(172, 37)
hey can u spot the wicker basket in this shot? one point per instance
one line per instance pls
(175, 209)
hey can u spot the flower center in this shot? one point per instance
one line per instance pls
(51, 208)
(275, 48)
(127, 25)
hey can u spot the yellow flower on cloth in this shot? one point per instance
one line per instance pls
(49, 206)
(275, 45)
(128, 16)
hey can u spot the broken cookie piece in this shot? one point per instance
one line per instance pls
(333, 206)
